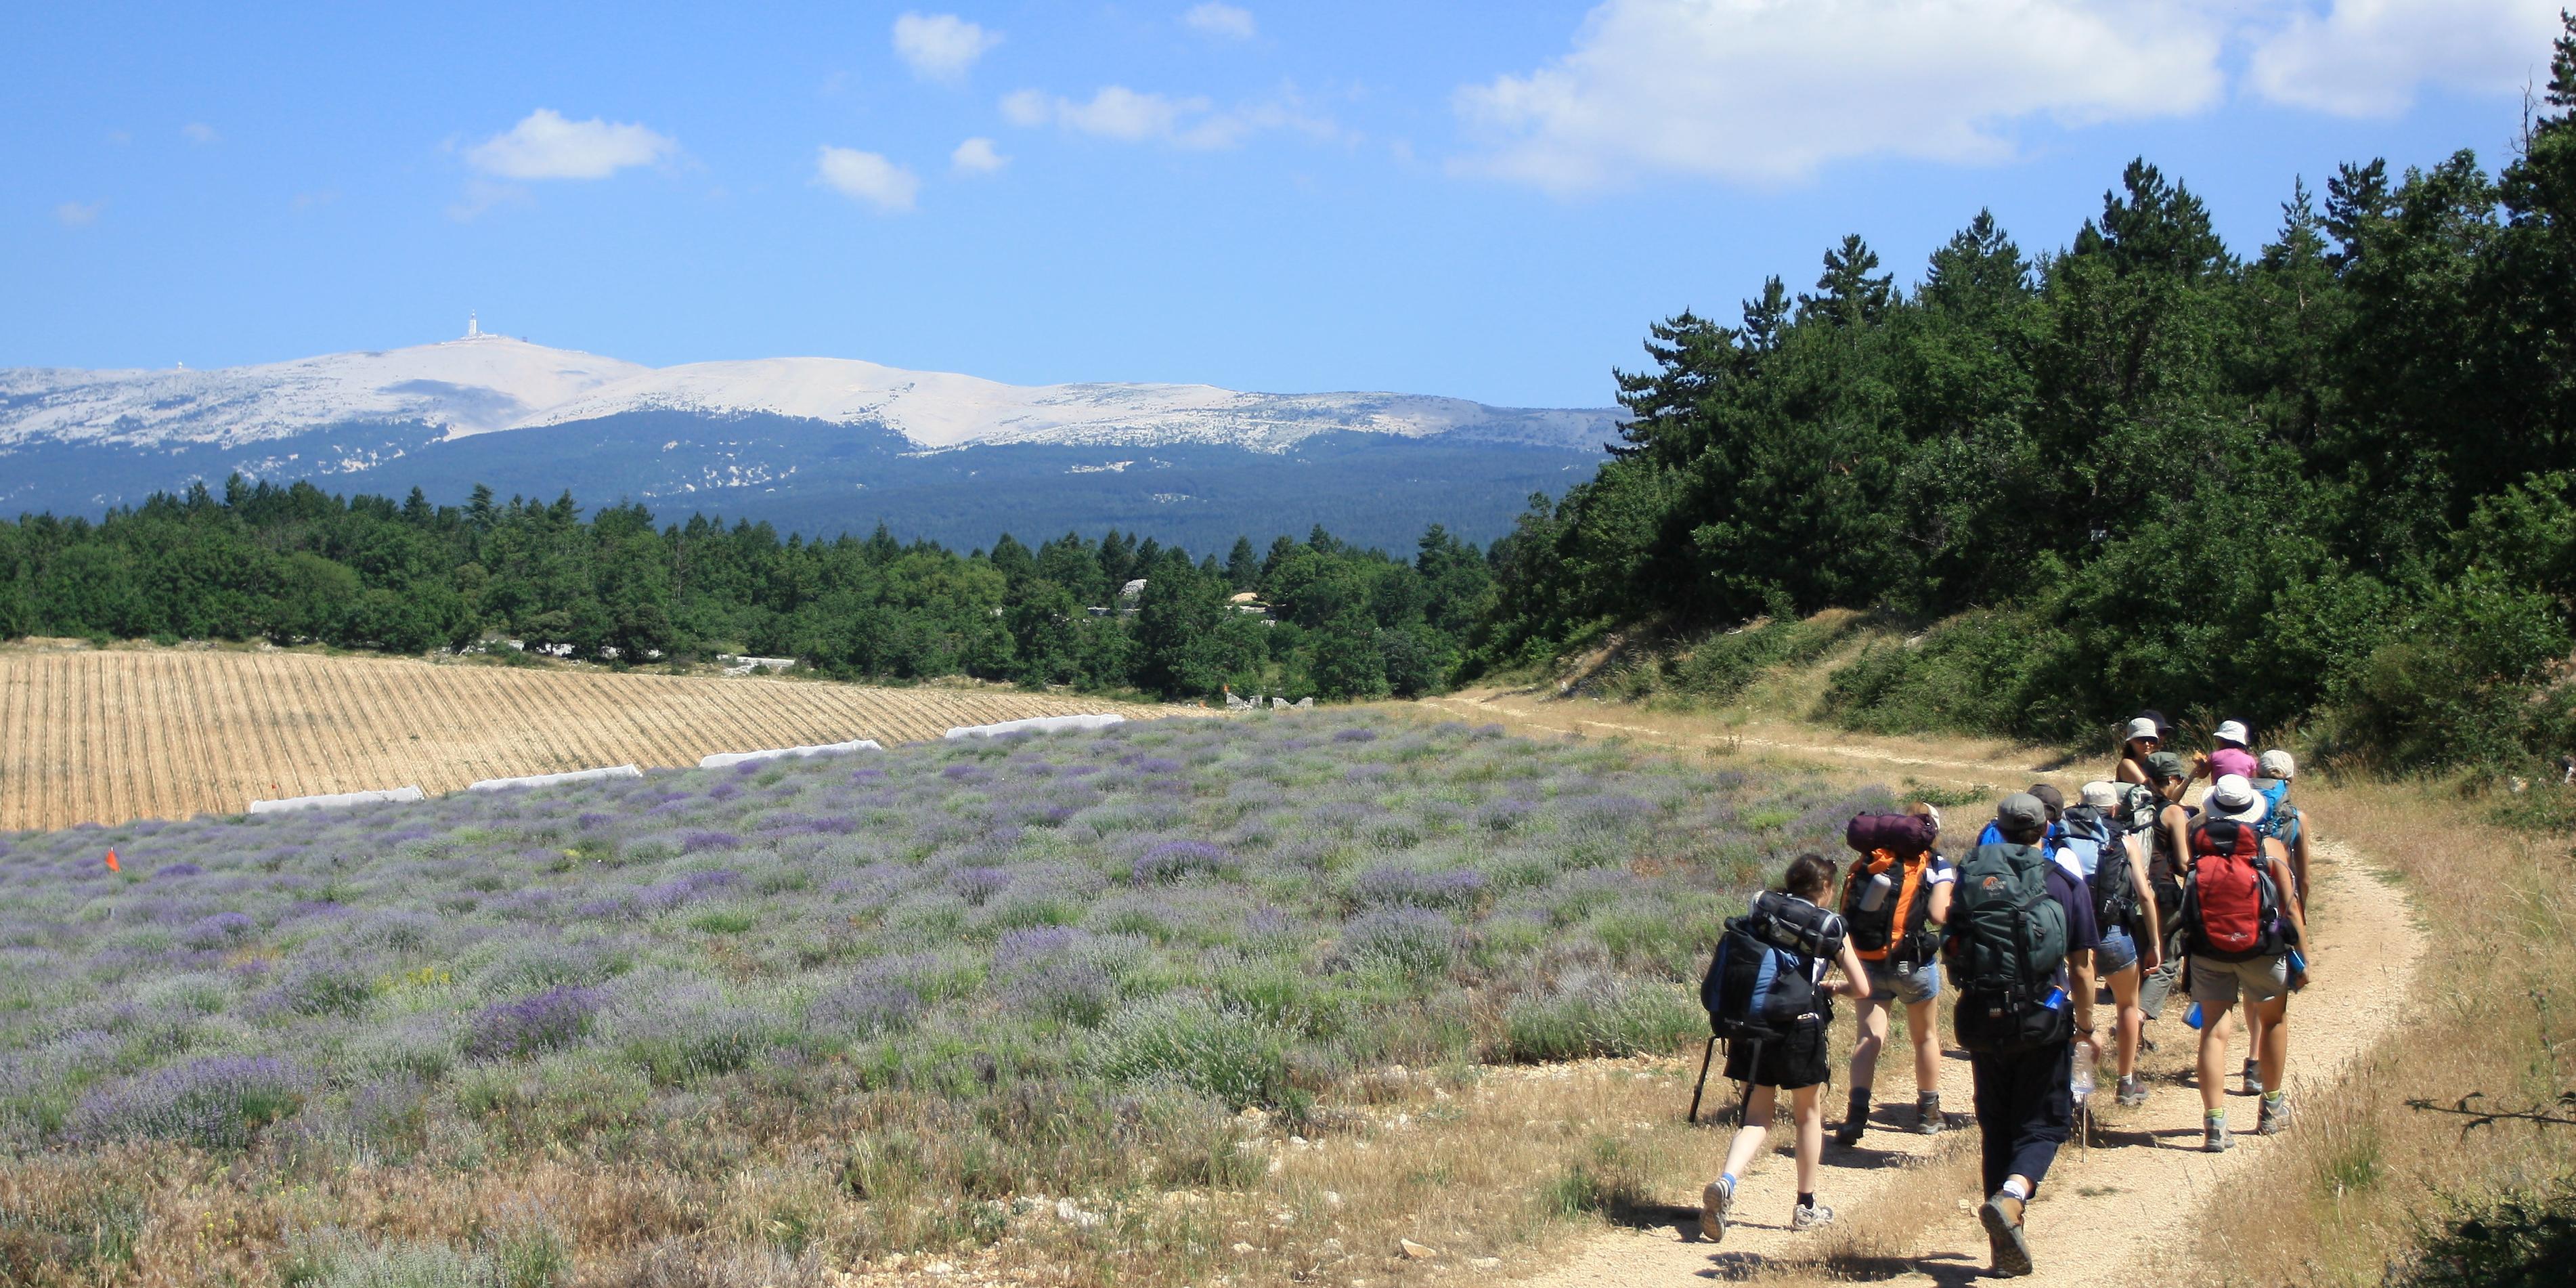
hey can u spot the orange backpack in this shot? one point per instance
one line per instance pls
(1895, 930)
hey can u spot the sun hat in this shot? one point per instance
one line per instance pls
(2278, 764)
(1929, 811)
(2021, 812)
(2141, 727)
(2233, 797)
(2102, 794)
(2164, 765)
(2233, 731)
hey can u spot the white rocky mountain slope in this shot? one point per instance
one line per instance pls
(491, 384)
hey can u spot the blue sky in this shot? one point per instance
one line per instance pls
(1490, 200)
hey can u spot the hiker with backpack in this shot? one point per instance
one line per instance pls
(2017, 918)
(2168, 852)
(2286, 823)
(2112, 855)
(1893, 905)
(2246, 933)
(2144, 738)
(1767, 995)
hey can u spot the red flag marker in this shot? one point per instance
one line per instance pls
(111, 862)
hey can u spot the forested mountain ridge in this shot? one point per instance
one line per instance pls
(2333, 479)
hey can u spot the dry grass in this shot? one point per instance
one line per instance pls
(1483, 1168)
(91, 735)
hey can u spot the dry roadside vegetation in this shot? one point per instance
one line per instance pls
(105, 735)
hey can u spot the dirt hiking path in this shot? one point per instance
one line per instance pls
(2118, 1211)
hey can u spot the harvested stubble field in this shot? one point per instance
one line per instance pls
(1162, 1004)
(106, 735)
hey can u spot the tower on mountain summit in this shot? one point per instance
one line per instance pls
(473, 327)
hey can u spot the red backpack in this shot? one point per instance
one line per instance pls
(2232, 908)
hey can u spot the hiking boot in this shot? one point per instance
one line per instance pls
(1928, 1119)
(2215, 1137)
(2009, 1249)
(2133, 1092)
(1714, 1203)
(2276, 1116)
(1855, 1121)
(2253, 1079)
(1807, 1216)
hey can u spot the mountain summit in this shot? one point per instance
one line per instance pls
(820, 445)
(485, 383)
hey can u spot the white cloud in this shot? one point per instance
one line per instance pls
(546, 146)
(941, 46)
(977, 156)
(200, 132)
(868, 178)
(75, 214)
(2369, 57)
(1221, 20)
(1131, 116)
(1768, 90)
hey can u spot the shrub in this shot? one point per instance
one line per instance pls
(1173, 860)
(1226, 1054)
(1598, 1015)
(2524, 1238)
(556, 1018)
(1407, 941)
(213, 1102)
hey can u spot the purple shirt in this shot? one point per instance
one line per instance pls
(2232, 760)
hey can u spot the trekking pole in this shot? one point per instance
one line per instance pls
(1704, 1057)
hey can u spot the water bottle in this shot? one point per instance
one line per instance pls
(2056, 999)
(1875, 893)
(2192, 1016)
(2081, 1082)
(2298, 963)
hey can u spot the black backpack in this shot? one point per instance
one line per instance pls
(2008, 937)
(1761, 981)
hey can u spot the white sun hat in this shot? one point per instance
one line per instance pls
(2233, 797)
(2277, 764)
(2142, 727)
(2233, 731)
(2102, 795)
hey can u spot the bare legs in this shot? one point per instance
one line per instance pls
(2272, 1047)
(2129, 1022)
(1810, 1119)
(1920, 1027)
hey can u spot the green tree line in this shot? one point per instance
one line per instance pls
(294, 564)
(2329, 481)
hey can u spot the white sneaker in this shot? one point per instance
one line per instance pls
(1714, 1203)
(1805, 1217)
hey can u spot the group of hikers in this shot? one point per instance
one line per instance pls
(2130, 892)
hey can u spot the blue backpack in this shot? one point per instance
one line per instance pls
(2281, 819)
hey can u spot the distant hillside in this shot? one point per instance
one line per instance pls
(819, 445)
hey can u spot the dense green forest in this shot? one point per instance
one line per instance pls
(2330, 484)
(2330, 481)
(293, 564)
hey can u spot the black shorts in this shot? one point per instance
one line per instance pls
(1790, 1062)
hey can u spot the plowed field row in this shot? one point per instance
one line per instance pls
(105, 736)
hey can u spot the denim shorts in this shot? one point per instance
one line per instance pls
(1921, 984)
(2118, 952)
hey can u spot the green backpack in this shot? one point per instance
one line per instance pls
(2007, 940)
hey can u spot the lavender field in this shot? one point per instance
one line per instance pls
(813, 1014)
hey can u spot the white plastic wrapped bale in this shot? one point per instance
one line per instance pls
(335, 800)
(552, 780)
(723, 758)
(1035, 724)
